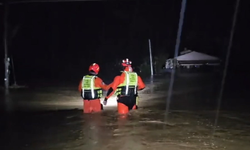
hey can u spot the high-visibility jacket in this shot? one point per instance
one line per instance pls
(89, 90)
(129, 85)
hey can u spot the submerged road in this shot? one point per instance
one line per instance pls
(51, 118)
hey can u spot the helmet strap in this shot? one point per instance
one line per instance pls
(92, 72)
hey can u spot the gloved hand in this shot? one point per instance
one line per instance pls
(105, 101)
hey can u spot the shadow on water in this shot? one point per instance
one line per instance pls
(62, 129)
(53, 129)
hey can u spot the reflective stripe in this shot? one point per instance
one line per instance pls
(127, 82)
(136, 84)
(92, 87)
(82, 86)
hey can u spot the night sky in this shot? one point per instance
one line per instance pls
(57, 41)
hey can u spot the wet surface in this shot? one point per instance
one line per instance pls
(52, 119)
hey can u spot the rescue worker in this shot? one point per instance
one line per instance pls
(126, 87)
(91, 88)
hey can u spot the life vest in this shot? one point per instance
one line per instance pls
(89, 91)
(129, 85)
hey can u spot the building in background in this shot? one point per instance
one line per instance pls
(192, 59)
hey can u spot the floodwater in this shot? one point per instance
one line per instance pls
(52, 119)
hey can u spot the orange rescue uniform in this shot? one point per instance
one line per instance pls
(93, 105)
(125, 103)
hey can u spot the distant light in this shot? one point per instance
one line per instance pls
(112, 102)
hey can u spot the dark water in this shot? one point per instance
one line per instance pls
(68, 128)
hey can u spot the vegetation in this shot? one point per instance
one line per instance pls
(159, 60)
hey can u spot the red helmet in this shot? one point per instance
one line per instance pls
(126, 62)
(95, 68)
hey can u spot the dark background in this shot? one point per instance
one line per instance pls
(57, 41)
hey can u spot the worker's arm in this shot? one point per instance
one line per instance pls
(80, 86)
(141, 84)
(110, 85)
(101, 84)
(113, 86)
